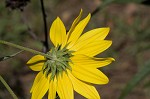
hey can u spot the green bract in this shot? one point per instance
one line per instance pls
(59, 61)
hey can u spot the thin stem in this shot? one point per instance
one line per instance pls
(45, 26)
(24, 48)
(8, 88)
(100, 7)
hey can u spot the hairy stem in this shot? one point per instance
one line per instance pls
(24, 48)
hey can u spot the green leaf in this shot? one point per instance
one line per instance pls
(143, 73)
(9, 56)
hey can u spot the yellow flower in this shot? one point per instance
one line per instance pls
(71, 65)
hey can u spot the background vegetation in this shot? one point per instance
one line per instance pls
(129, 21)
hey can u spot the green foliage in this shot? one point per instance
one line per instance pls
(143, 73)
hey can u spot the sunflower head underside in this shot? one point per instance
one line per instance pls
(58, 62)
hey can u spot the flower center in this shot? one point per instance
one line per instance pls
(58, 61)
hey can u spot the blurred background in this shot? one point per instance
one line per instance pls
(21, 22)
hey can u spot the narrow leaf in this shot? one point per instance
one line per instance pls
(143, 73)
(9, 56)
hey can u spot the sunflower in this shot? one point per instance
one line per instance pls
(71, 64)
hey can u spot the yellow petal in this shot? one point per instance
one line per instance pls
(37, 79)
(58, 32)
(64, 87)
(89, 75)
(94, 48)
(84, 89)
(41, 88)
(90, 62)
(52, 89)
(36, 62)
(74, 24)
(77, 31)
(90, 36)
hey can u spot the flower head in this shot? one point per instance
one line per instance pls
(71, 64)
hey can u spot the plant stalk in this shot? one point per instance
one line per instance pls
(24, 48)
(8, 88)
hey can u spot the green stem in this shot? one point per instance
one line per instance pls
(24, 48)
(8, 88)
